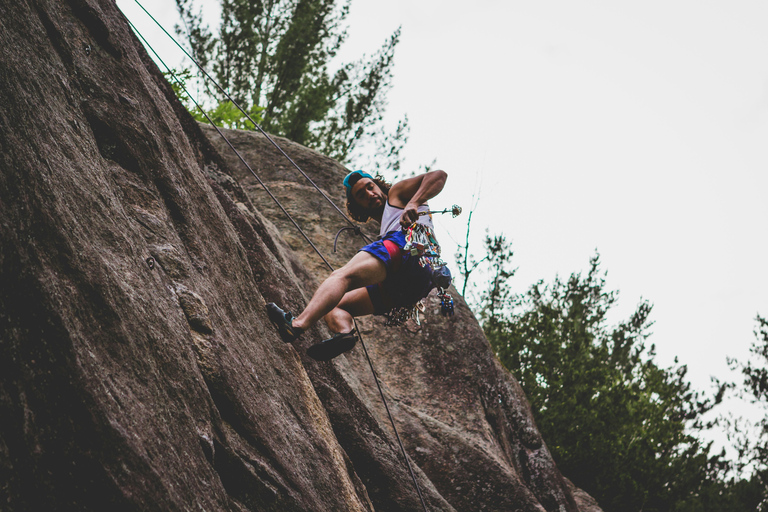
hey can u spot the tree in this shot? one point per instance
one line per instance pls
(496, 298)
(273, 57)
(617, 424)
(732, 495)
(753, 445)
(225, 114)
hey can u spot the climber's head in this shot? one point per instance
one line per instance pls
(366, 195)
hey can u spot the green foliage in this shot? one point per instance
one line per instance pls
(499, 293)
(752, 441)
(617, 424)
(179, 78)
(273, 57)
(757, 374)
(225, 114)
(733, 495)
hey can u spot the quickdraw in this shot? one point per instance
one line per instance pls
(420, 241)
(454, 210)
(446, 304)
(398, 316)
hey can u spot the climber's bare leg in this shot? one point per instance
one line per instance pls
(362, 270)
(355, 303)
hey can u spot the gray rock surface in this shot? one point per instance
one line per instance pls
(138, 370)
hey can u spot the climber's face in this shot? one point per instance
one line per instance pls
(368, 195)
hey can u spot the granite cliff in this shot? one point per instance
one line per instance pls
(138, 370)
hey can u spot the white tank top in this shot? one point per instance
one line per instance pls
(390, 219)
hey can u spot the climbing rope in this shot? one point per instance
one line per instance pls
(359, 334)
(391, 419)
(181, 84)
(256, 125)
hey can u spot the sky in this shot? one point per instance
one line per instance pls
(636, 130)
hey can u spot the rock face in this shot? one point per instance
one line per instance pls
(138, 370)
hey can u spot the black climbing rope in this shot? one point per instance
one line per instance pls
(391, 419)
(181, 84)
(255, 124)
(355, 227)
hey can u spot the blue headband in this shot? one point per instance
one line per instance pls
(353, 178)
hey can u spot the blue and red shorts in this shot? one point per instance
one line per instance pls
(406, 283)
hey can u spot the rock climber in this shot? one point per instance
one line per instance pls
(383, 275)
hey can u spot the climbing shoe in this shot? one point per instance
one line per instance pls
(283, 320)
(332, 347)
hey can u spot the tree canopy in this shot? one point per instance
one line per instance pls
(755, 372)
(752, 440)
(273, 57)
(618, 425)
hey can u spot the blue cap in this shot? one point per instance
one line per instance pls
(353, 178)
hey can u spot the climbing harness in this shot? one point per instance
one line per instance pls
(356, 228)
(421, 243)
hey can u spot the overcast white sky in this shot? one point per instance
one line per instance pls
(637, 129)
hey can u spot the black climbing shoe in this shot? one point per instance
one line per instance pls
(330, 348)
(283, 320)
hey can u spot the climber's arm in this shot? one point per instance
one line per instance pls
(410, 193)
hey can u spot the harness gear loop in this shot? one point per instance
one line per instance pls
(421, 243)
